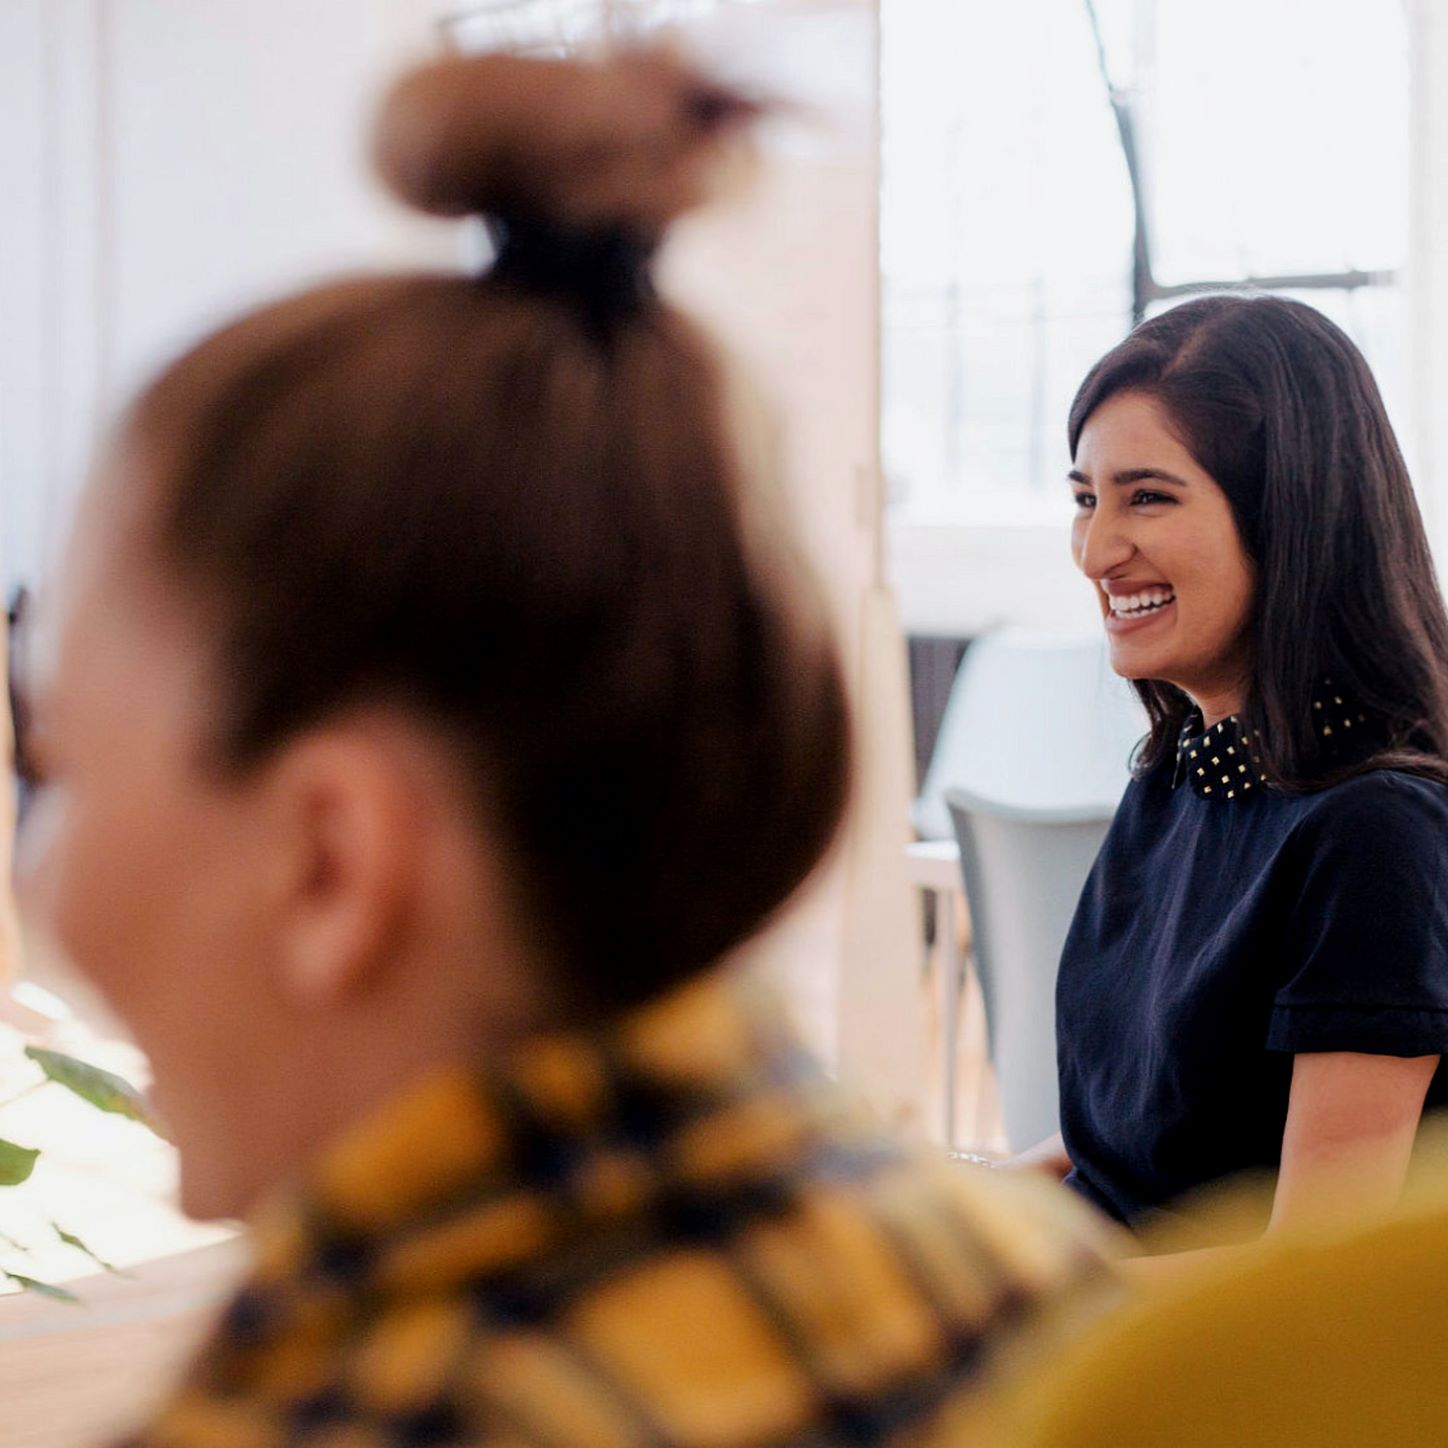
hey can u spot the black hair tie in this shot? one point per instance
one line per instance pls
(603, 270)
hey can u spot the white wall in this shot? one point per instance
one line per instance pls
(47, 296)
(162, 164)
(237, 142)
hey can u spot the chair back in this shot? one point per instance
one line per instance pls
(1023, 871)
(1035, 720)
(1033, 756)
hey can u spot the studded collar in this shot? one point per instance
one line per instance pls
(1221, 763)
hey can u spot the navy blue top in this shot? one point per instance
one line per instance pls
(1224, 927)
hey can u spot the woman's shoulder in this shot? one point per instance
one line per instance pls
(1378, 807)
(1381, 789)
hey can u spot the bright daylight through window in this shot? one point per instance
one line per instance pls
(1014, 242)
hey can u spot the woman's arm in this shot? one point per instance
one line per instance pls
(1351, 1122)
(1047, 1156)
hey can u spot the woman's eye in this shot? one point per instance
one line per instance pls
(1085, 501)
(1145, 498)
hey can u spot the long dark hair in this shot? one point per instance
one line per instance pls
(1278, 405)
(524, 516)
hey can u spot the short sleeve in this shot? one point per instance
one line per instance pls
(1366, 938)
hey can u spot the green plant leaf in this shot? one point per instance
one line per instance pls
(71, 1240)
(16, 1163)
(41, 1289)
(103, 1089)
(6, 1240)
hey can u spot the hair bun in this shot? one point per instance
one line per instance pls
(628, 142)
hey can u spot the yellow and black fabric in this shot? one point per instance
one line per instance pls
(668, 1232)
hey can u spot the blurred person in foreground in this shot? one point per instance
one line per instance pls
(434, 705)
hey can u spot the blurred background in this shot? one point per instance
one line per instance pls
(975, 200)
(979, 200)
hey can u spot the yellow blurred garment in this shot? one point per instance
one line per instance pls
(667, 1232)
(1330, 1339)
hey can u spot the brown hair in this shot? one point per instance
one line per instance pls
(1280, 408)
(512, 505)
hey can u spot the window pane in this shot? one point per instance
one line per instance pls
(1276, 137)
(1006, 245)
(1272, 138)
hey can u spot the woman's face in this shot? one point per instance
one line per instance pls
(1155, 534)
(148, 871)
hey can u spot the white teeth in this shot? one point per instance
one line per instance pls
(1137, 605)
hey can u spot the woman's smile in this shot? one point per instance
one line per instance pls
(1131, 607)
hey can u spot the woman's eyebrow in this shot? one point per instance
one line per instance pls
(1127, 476)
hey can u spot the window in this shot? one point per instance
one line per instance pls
(1268, 142)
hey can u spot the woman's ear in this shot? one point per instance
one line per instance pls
(351, 843)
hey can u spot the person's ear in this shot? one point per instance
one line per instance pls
(350, 847)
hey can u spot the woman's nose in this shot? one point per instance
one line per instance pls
(1102, 545)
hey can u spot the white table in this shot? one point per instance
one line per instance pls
(76, 1377)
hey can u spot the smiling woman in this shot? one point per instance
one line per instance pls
(1257, 975)
(1161, 544)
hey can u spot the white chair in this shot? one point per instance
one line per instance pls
(1034, 753)
(1035, 720)
(1023, 871)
